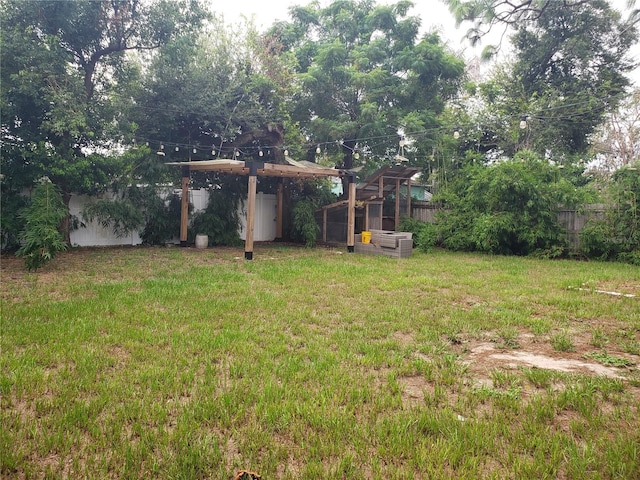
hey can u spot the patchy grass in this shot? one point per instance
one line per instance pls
(184, 363)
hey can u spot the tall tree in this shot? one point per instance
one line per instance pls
(220, 95)
(365, 76)
(59, 82)
(569, 70)
(617, 142)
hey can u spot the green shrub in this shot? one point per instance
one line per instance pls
(617, 235)
(219, 221)
(121, 215)
(510, 207)
(41, 238)
(425, 234)
(12, 222)
(162, 220)
(305, 228)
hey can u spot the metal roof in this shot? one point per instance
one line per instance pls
(390, 175)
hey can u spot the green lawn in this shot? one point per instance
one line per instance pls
(303, 364)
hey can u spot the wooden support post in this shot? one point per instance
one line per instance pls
(409, 198)
(324, 225)
(397, 212)
(184, 210)
(279, 209)
(366, 217)
(351, 216)
(251, 211)
(381, 196)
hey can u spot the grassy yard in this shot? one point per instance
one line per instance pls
(313, 364)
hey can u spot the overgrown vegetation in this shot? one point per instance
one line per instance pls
(334, 84)
(305, 227)
(41, 238)
(617, 235)
(219, 221)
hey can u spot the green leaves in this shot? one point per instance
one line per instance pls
(41, 239)
(506, 208)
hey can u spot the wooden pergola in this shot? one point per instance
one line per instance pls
(299, 170)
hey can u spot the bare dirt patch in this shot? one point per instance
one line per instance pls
(482, 357)
(414, 389)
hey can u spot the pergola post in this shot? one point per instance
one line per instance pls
(184, 210)
(324, 225)
(381, 196)
(409, 198)
(279, 209)
(251, 209)
(351, 216)
(397, 212)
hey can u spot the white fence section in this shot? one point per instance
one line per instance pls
(93, 234)
(264, 229)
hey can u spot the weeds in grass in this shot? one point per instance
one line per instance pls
(562, 342)
(610, 360)
(509, 337)
(176, 363)
(598, 338)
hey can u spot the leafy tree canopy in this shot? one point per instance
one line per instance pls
(365, 76)
(568, 71)
(64, 65)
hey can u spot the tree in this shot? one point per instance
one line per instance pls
(61, 79)
(616, 143)
(364, 76)
(221, 95)
(486, 15)
(568, 72)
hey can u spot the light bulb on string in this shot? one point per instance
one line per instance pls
(260, 153)
(286, 153)
(356, 155)
(318, 151)
(523, 122)
(456, 133)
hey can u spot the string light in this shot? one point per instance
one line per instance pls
(382, 139)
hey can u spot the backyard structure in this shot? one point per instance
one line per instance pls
(293, 169)
(370, 197)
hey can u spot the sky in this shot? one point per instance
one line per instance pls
(434, 15)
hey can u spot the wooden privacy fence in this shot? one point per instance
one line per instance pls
(573, 219)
